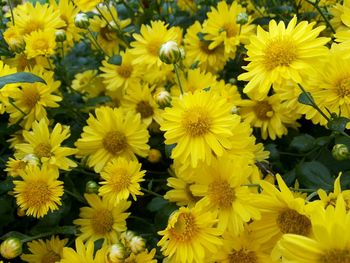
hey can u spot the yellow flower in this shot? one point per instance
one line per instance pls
(46, 145)
(281, 54)
(102, 219)
(113, 133)
(89, 82)
(187, 5)
(49, 250)
(39, 192)
(143, 257)
(199, 124)
(40, 43)
(147, 44)
(87, 5)
(14, 166)
(222, 188)
(190, 235)
(120, 179)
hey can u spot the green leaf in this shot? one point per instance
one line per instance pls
(6, 185)
(306, 99)
(314, 175)
(20, 77)
(303, 143)
(97, 100)
(16, 234)
(156, 204)
(337, 123)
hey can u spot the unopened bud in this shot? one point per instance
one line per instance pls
(60, 35)
(117, 253)
(21, 212)
(137, 244)
(127, 236)
(171, 53)
(340, 152)
(11, 248)
(163, 98)
(235, 110)
(154, 156)
(91, 187)
(82, 21)
(242, 18)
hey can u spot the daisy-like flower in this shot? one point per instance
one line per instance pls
(197, 49)
(84, 253)
(121, 178)
(46, 145)
(139, 99)
(222, 27)
(282, 53)
(40, 43)
(281, 213)
(39, 191)
(329, 242)
(222, 188)
(147, 44)
(121, 76)
(270, 115)
(33, 98)
(111, 134)
(89, 82)
(14, 166)
(190, 235)
(102, 219)
(49, 250)
(199, 123)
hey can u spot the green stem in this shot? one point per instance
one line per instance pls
(76, 196)
(305, 190)
(95, 43)
(326, 20)
(178, 78)
(11, 11)
(310, 196)
(16, 107)
(151, 192)
(50, 233)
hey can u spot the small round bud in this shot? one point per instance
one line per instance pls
(154, 156)
(31, 159)
(340, 152)
(127, 236)
(117, 253)
(21, 212)
(242, 18)
(60, 35)
(171, 53)
(163, 98)
(11, 248)
(235, 110)
(137, 244)
(82, 21)
(91, 187)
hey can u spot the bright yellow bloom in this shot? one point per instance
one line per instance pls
(39, 192)
(40, 43)
(46, 145)
(49, 250)
(190, 235)
(111, 134)
(89, 82)
(102, 219)
(282, 53)
(87, 5)
(121, 178)
(199, 124)
(14, 166)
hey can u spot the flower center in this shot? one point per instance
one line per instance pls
(185, 228)
(279, 52)
(36, 193)
(40, 44)
(263, 110)
(196, 121)
(102, 221)
(230, 29)
(291, 222)
(205, 48)
(344, 88)
(125, 70)
(145, 109)
(43, 150)
(336, 256)
(108, 33)
(243, 256)
(121, 179)
(154, 46)
(221, 194)
(114, 142)
(50, 257)
(31, 96)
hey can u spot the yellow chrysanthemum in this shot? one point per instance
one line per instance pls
(121, 178)
(87, 5)
(121, 76)
(282, 53)
(49, 250)
(147, 44)
(330, 242)
(84, 253)
(102, 219)
(222, 188)
(187, 5)
(46, 145)
(31, 99)
(14, 38)
(14, 167)
(39, 192)
(88, 82)
(113, 133)
(197, 49)
(40, 43)
(199, 124)
(190, 235)
(221, 27)
(281, 213)
(270, 115)
(138, 99)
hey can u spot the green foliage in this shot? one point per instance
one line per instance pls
(20, 77)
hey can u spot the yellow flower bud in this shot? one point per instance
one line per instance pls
(154, 156)
(11, 248)
(116, 253)
(171, 53)
(340, 152)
